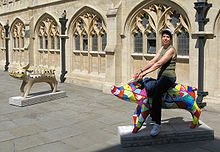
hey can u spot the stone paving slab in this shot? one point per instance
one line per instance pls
(36, 98)
(178, 132)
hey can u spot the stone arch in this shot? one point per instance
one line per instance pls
(83, 10)
(47, 42)
(87, 53)
(43, 17)
(160, 15)
(18, 55)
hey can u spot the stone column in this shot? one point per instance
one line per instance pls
(111, 68)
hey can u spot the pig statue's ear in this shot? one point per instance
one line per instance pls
(26, 67)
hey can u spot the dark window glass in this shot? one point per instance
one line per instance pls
(41, 42)
(52, 42)
(95, 42)
(145, 20)
(46, 42)
(22, 42)
(99, 22)
(14, 42)
(58, 42)
(151, 43)
(104, 41)
(183, 43)
(85, 42)
(138, 42)
(18, 42)
(175, 18)
(81, 25)
(77, 42)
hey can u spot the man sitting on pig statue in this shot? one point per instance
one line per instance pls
(34, 74)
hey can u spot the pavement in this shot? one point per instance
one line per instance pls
(85, 121)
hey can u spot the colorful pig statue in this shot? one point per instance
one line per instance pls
(34, 74)
(179, 96)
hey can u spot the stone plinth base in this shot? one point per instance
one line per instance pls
(36, 98)
(178, 132)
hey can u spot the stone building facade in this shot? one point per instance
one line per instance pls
(109, 40)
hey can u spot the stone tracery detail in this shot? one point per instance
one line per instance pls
(89, 41)
(18, 54)
(152, 19)
(48, 43)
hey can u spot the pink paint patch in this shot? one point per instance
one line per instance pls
(143, 92)
(182, 88)
(133, 89)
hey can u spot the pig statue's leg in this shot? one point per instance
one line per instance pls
(29, 85)
(55, 85)
(195, 111)
(22, 88)
(51, 85)
(141, 116)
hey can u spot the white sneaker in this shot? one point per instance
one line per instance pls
(156, 130)
(148, 120)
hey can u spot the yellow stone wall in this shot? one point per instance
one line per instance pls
(118, 62)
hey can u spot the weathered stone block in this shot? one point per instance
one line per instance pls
(170, 133)
(36, 98)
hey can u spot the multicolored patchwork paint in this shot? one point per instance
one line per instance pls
(180, 96)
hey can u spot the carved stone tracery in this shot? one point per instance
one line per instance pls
(156, 17)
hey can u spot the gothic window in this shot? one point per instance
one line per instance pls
(48, 34)
(104, 41)
(151, 43)
(147, 24)
(138, 42)
(18, 31)
(77, 42)
(183, 43)
(95, 42)
(85, 42)
(92, 26)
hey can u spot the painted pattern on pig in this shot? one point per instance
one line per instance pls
(34, 74)
(180, 96)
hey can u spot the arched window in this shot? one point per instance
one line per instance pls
(104, 41)
(94, 30)
(85, 42)
(183, 43)
(138, 42)
(95, 42)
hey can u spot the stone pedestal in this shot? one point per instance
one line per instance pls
(171, 132)
(36, 98)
